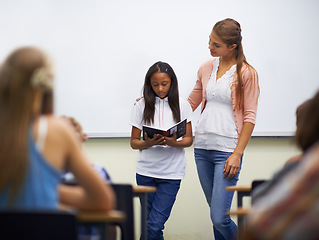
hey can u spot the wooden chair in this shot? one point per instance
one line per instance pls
(37, 225)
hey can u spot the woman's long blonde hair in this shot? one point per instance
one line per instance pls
(21, 96)
(229, 31)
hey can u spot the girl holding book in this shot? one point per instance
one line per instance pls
(161, 161)
(227, 87)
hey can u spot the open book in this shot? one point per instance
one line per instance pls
(179, 127)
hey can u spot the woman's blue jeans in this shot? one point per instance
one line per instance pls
(160, 203)
(210, 168)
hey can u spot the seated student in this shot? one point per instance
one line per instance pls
(287, 208)
(293, 161)
(36, 148)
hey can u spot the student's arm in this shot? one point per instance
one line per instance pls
(185, 142)
(233, 162)
(137, 143)
(251, 94)
(92, 193)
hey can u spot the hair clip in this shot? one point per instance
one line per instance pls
(40, 78)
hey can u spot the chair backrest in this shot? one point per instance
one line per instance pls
(255, 184)
(124, 202)
(37, 225)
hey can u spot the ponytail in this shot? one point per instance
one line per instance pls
(240, 59)
(229, 32)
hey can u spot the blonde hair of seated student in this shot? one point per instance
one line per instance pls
(23, 100)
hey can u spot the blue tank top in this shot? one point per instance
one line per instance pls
(39, 190)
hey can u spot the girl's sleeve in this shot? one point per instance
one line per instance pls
(137, 115)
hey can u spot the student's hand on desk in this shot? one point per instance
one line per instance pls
(232, 165)
(156, 140)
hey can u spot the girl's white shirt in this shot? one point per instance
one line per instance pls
(216, 129)
(161, 161)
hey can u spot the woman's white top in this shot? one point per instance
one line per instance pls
(216, 129)
(161, 161)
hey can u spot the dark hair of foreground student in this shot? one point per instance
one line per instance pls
(149, 95)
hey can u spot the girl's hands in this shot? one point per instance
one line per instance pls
(137, 143)
(232, 165)
(162, 140)
(156, 140)
(186, 141)
(171, 141)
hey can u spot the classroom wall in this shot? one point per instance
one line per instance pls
(189, 219)
(102, 49)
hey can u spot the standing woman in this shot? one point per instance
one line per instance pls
(227, 87)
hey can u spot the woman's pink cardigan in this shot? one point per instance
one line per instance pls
(250, 90)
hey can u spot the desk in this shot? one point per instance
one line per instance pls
(239, 212)
(142, 191)
(101, 219)
(113, 216)
(242, 191)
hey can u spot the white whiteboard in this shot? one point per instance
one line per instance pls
(102, 50)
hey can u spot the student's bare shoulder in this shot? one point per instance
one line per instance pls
(59, 125)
